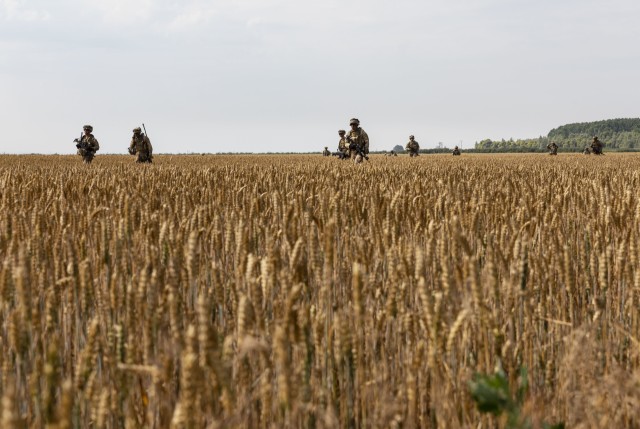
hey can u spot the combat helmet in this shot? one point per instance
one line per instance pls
(88, 128)
(354, 121)
(137, 130)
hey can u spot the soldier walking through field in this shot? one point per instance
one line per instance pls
(326, 152)
(596, 146)
(412, 147)
(87, 145)
(343, 145)
(552, 148)
(358, 142)
(456, 151)
(141, 146)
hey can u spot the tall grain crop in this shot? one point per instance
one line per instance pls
(299, 291)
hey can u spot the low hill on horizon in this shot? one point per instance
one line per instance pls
(617, 134)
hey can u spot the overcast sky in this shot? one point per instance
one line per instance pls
(285, 75)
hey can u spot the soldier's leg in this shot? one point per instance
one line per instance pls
(87, 158)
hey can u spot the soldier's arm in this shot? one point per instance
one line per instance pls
(94, 144)
(365, 139)
(149, 147)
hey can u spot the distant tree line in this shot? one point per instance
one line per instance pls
(615, 134)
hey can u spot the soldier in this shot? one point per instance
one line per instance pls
(141, 145)
(343, 145)
(357, 138)
(596, 146)
(87, 145)
(392, 153)
(586, 151)
(456, 151)
(326, 152)
(552, 148)
(412, 147)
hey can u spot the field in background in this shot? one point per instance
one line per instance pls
(302, 291)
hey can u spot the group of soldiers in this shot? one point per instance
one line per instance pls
(354, 145)
(140, 145)
(594, 148)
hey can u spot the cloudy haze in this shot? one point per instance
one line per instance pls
(285, 75)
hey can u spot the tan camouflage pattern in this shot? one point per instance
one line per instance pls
(343, 145)
(359, 137)
(412, 147)
(92, 147)
(141, 145)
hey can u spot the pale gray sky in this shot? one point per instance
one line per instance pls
(285, 75)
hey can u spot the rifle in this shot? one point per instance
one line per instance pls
(340, 155)
(81, 144)
(150, 147)
(359, 149)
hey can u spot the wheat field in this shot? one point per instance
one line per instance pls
(307, 292)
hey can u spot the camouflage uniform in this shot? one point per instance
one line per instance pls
(343, 146)
(141, 145)
(456, 151)
(326, 152)
(359, 137)
(552, 148)
(412, 147)
(596, 146)
(87, 145)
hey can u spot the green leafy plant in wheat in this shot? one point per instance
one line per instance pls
(492, 394)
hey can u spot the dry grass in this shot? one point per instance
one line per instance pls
(300, 291)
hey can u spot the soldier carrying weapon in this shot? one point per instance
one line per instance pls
(412, 147)
(87, 144)
(141, 146)
(358, 142)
